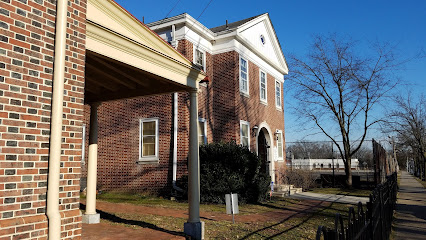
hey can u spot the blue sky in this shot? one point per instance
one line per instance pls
(402, 23)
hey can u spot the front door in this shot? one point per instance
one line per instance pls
(263, 152)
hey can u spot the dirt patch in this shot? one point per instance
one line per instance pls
(108, 231)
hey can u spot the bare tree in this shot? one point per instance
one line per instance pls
(305, 150)
(408, 121)
(336, 88)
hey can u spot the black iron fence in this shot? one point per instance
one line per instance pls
(373, 223)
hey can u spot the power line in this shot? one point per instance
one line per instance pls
(172, 8)
(204, 9)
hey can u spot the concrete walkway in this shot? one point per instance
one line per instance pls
(330, 197)
(410, 217)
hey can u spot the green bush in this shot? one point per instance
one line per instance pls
(228, 167)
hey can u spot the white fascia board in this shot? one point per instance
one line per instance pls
(271, 32)
(253, 49)
(187, 20)
(231, 44)
(196, 39)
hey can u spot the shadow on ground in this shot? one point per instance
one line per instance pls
(116, 219)
(311, 211)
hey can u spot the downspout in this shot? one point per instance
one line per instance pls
(175, 132)
(52, 212)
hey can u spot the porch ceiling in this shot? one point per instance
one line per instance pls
(108, 79)
(125, 59)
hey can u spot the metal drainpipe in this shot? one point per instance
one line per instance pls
(175, 132)
(52, 212)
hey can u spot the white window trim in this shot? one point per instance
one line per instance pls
(279, 107)
(242, 122)
(280, 132)
(204, 57)
(246, 93)
(265, 101)
(204, 122)
(154, 158)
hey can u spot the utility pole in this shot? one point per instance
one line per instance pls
(332, 160)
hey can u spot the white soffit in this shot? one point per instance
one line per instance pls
(110, 15)
(113, 32)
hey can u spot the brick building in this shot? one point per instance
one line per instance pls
(53, 58)
(242, 102)
(63, 61)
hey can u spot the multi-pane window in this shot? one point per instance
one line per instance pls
(245, 133)
(262, 86)
(148, 138)
(278, 94)
(202, 131)
(279, 145)
(199, 58)
(243, 76)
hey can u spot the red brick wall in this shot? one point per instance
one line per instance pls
(252, 110)
(27, 29)
(186, 48)
(118, 147)
(220, 103)
(225, 88)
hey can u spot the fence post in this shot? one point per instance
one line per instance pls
(370, 216)
(381, 213)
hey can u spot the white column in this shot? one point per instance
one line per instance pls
(194, 227)
(91, 216)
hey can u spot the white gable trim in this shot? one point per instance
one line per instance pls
(234, 45)
(274, 41)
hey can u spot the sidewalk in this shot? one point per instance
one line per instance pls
(329, 197)
(410, 216)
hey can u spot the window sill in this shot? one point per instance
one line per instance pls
(278, 108)
(264, 102)
(153, 160)
(244, 94)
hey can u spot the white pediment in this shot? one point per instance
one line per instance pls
(259, 35)
(112, 16)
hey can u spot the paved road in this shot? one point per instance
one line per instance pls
(330, 197)
(410, 217)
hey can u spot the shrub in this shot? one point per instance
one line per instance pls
(301, 178)
(228, 167)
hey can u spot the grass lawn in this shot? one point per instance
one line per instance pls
(279, 218)
(343, 191)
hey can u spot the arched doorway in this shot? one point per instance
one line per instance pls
(265, 144)
(263, 148)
